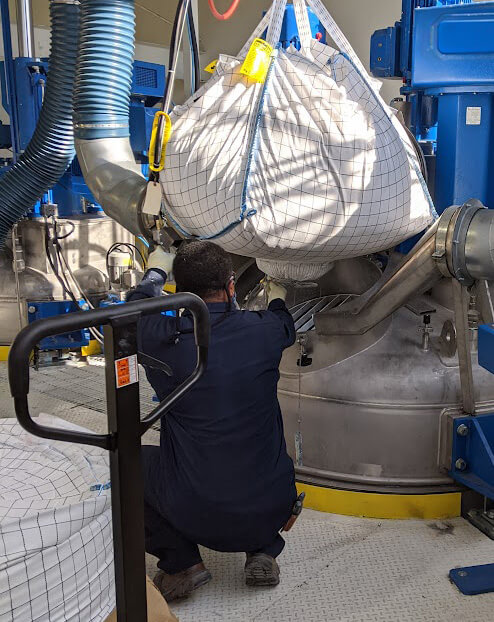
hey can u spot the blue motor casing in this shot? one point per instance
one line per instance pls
(385, 52)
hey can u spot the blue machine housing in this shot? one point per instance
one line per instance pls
(443, 51)
(71, 195)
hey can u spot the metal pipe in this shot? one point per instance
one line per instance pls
(25, 29)
(175, 46)
(116, 181)
(479, 246)
(417, 273)
(182, 18)
(459, 245)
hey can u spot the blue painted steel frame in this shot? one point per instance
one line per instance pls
(44, 309)
(476, 450)
(473, 465)
(443, 50)
(464, 148)
(472, 460)
(9, 75)
(486, 347)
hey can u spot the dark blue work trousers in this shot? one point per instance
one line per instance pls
(174, 551)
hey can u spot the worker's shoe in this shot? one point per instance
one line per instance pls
(182, 584)
(261, 570)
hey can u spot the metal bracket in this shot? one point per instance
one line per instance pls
(472, 461)
(461, 303)
(441, 248)
(483, 520)
(484, 302)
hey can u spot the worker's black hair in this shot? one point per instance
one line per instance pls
(202, 268)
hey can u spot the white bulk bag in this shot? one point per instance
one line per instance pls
(56, 547)
(310, 166)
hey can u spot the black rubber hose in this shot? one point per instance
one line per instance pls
(195, 49)
(51, 148)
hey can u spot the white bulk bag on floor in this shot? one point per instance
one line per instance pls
(310, 166)
(56, 547)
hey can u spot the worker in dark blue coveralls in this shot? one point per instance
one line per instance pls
(221, 477)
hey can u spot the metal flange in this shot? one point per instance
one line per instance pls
(441, 249)
(451, 236)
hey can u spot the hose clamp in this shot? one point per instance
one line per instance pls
(95, 126)
(76, 2)
(458, 257)
(451, 238)
(441, 250)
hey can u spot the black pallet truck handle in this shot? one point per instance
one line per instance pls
(31, 335)
(124, 422)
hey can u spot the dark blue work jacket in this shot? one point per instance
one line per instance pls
(225, 478)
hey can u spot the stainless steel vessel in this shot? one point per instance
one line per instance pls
(366, 412)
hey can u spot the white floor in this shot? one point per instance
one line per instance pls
(333, 568)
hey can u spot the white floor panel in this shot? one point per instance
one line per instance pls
(333, 568)
(350, 570)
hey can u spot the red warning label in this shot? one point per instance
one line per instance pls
(126, 371)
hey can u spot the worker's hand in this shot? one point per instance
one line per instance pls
(161, 260)
(274, 290)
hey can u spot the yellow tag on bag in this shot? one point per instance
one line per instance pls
(211, 68)
(256, 63)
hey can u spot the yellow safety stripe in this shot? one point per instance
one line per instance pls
(374, 505)
(4, 353)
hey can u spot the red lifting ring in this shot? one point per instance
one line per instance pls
(227, 14)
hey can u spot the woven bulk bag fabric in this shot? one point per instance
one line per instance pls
(309, 167)
(56, 546)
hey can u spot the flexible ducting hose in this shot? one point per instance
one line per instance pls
(101, 111)
(104, 69)
(51, 148)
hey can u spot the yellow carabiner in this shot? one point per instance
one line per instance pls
(167, 132)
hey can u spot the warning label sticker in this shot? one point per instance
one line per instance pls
(126, 371)
(474, 115)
